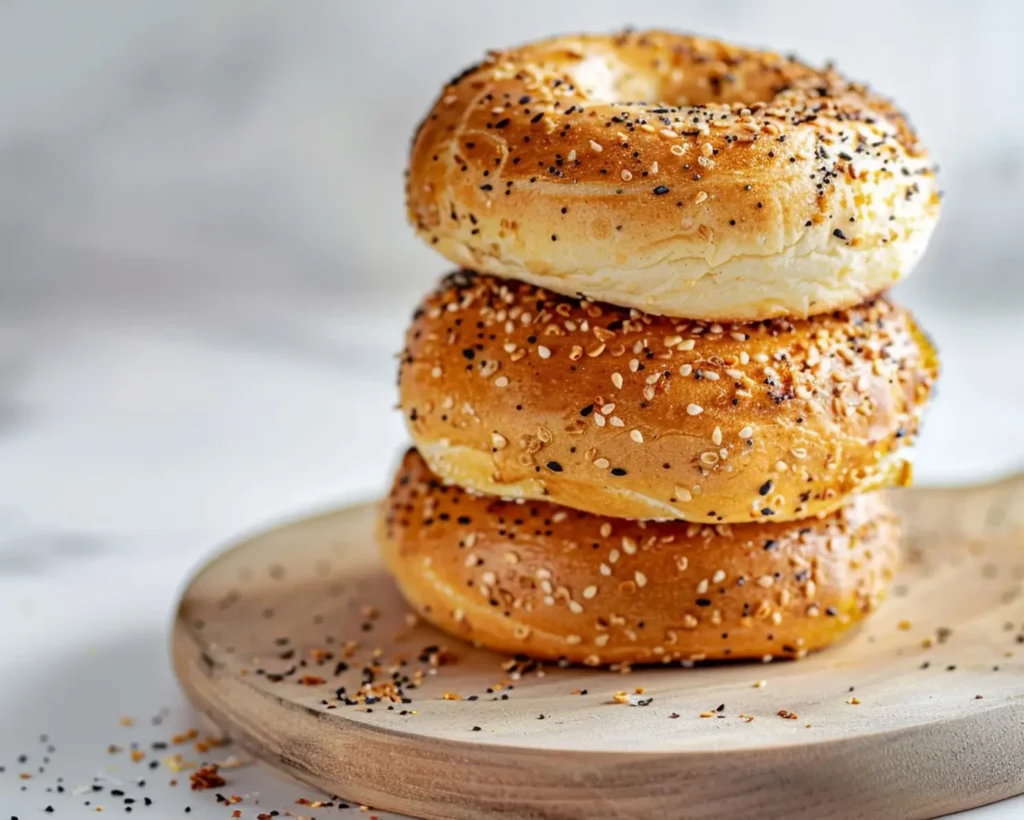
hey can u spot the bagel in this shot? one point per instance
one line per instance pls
(555, 583)
(673, 174)
(511, 391)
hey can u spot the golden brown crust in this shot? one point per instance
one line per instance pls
(747, 186)
(511, 391)
(555, 583)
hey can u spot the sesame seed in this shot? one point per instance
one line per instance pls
(626, 175)
(688, 344)
(702, 587)
(601, 463)
(575, 607)
(716, 436)
(606, 529)
(710, 375)
(694, 409)
(734, 374)
(628, 545)
(605, 569)
(590, 592)
(606, 409)
(701, 196)
(543, 352)
(617, 380)
(637, 436)
(718, 577)
(640, 578)
(766, 581)
(498, 440)
(746, 432)
(686, 370)
(596, 146)
(683, 494)
(739, 337)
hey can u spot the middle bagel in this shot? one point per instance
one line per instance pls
(512, 391)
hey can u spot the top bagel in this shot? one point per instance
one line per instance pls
(673, 174)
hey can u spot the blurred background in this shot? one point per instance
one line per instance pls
(206, 267)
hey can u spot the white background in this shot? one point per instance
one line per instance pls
(206, 270)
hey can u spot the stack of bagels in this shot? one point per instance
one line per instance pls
(653, 409)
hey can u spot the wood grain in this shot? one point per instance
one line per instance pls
(261, 626)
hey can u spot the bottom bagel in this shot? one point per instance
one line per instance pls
(555, 583)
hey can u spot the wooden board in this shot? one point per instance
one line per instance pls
(938, 672)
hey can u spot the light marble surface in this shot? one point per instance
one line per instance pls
(134, 442)
(206, 271)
